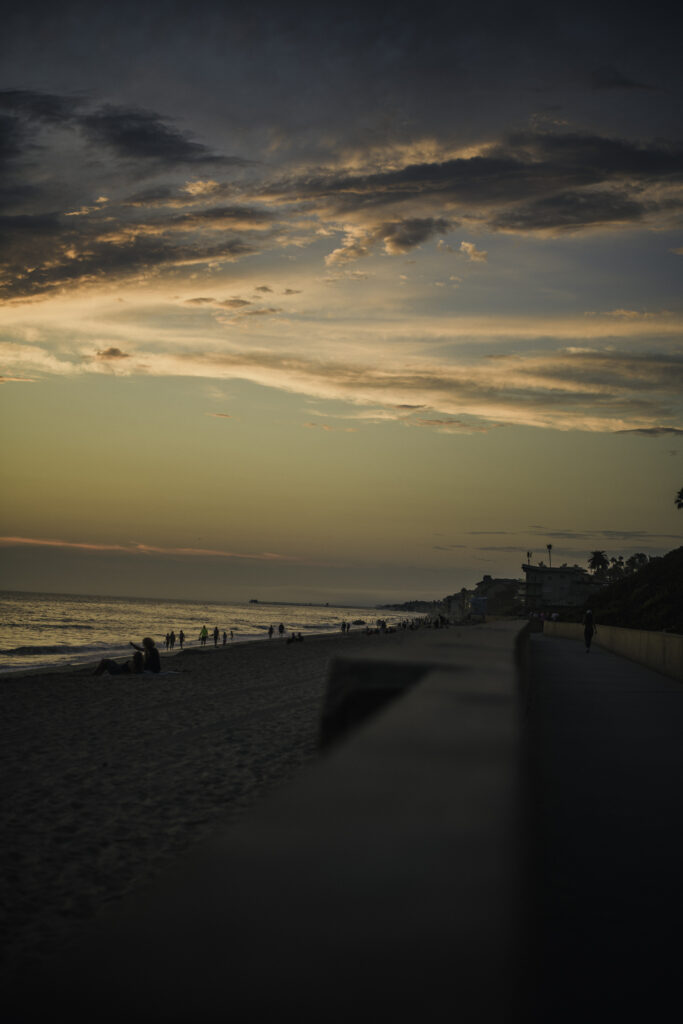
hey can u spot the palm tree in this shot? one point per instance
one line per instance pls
(598, 562)
(550, 559)
(679, 499)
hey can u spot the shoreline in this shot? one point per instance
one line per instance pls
(85, 667)
(107, 779)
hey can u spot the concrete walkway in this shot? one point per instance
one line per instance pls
(606, 761)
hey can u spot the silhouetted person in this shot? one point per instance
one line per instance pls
(225, 638)
(215, 636)
(588, 629)
(203, 635)
(181, 639)
(172, 638)
(281, 629)
(152, 661)
(115, 668)
(270, 632)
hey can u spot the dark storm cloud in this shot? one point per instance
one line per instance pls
(43, 252)
(40, 106)
(221, 216)
(157, 195)
(133, 133)
(571, 210)
(523, 166)
(401, 236)
(145, 135)
(530, 181)
(54, 256)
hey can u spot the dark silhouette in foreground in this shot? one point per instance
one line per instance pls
(145, 659)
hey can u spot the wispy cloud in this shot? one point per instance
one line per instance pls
(141, 549)
(568, 388)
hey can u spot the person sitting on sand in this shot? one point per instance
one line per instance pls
(136, 667)
(152, 661)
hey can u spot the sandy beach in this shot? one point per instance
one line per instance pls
(107, 778)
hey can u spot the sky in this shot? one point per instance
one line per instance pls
(352, 305)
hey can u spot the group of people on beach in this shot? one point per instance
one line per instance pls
(171, 639)
(204, 636)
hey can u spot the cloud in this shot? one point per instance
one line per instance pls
(328, 429)
(44, 254)
(473, 254)
(527, 181)
(452, 426)
(574, 210)
(112, 353)
(397, 237)
(402, 236)
(44, 107)
(533, 181)
(566, 389)
(144, 135)
(142, 549)
(653, 431)
(263, 288)
(234, 303)
(220, 415)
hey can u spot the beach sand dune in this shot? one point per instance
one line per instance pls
(107, 778)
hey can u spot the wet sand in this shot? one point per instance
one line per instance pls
(107, 778)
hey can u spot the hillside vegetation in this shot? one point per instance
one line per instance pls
(651, 598)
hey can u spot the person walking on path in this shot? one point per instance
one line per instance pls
(589, 629)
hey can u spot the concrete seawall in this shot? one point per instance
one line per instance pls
(662, 652)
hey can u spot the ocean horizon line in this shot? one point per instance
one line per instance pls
(190, 600)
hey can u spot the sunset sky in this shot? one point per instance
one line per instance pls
(338, 306)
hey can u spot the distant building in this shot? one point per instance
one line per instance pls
(568, 586)
(502, 596)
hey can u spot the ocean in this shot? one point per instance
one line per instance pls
(39, 631)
